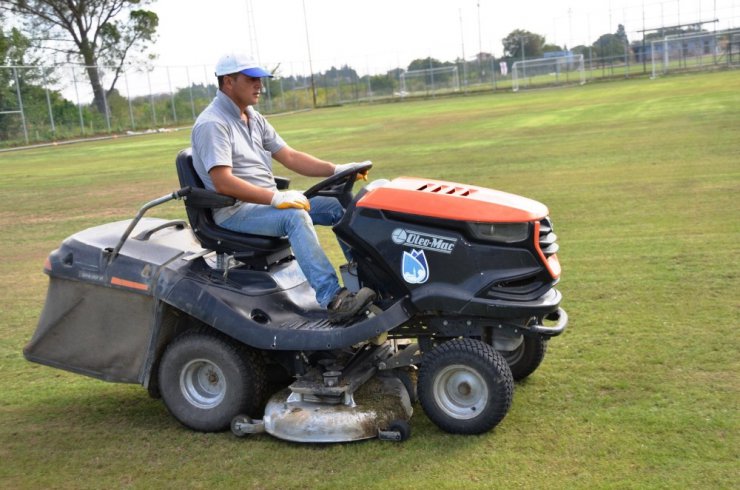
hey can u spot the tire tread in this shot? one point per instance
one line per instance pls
(473, 351)
(249, 366)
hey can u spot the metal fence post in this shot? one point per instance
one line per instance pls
(130, 106)
(20, 103)
(190, 88)
(702, 51)
(48, 105)
(79, 106)
(105, 101)
(151, 100)
(493, 72)
(431, 73)
(172, 95)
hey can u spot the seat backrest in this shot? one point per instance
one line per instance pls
(211, 235)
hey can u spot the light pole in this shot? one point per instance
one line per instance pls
(308, 47)
(462, 44)
(480, 50)
(521, 44)
(570, 28)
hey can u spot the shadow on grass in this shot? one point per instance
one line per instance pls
(126, 412)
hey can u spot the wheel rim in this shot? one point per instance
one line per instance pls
(460, 391)
(202, 383)
(513, 356)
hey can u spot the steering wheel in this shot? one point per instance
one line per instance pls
(339, 185)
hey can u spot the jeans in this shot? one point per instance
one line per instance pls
(297, 225)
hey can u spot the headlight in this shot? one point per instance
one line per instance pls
(376, 183)
(500, 232)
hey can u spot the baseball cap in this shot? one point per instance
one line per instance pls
(240, 63)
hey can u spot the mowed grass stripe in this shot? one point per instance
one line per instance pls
(641, 179)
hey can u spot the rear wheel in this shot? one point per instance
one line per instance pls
(206, 380)
(526, 358)
(465, 386)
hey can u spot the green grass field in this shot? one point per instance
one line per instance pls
(642, 179)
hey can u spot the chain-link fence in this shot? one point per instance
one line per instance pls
(42, 104)
(694, 53)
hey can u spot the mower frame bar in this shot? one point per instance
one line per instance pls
(179, 194)
(555, 330)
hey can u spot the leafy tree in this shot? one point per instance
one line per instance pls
(89, 32)
(426, 63)
(345, 74)
(551, 47)
(611, 45)
(519, 39)
(581, 49)
(13, 46)
(621, 34)
(431, 63)
(484, 57)
(395, 73)
(40, 105)
(383, 83)
(673, 31)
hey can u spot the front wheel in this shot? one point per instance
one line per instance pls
(206, 380)
(526, 358)
(465, 386)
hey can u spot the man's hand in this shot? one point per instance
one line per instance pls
(290, 199)
(344, 166)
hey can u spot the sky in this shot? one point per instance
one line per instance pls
(377, 36)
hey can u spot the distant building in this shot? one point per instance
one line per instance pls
(557, 54)
(695, 44)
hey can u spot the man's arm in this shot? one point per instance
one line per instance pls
(303, 163)
(226, 183)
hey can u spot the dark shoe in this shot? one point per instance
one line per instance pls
(346, 305)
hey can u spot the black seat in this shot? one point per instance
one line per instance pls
(251, 249)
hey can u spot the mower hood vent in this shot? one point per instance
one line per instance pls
(548, 239)
(437, 188)
(451, 201)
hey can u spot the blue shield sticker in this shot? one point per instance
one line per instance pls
(414, 268)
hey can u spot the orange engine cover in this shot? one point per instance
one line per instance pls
(448, 200)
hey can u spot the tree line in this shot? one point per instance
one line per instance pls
(119, 33)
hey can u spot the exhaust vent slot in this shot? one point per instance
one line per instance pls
(521, 288)
(445, 189)
(548, 239)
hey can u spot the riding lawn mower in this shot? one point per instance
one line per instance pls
(224, 327)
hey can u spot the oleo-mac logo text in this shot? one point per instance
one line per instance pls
(426, 241)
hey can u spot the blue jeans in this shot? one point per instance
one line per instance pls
(297, 225)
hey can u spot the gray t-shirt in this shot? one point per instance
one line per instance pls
(220, 137)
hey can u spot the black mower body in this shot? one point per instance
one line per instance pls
(113, 305)
(465, 276)
(110, 318)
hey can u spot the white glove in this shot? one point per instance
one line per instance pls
(344, 166)
(290, 199)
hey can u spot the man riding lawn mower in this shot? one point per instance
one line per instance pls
(225, 328)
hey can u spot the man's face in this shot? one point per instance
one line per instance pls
(243, 89)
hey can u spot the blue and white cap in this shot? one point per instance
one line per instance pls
(240, 63)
